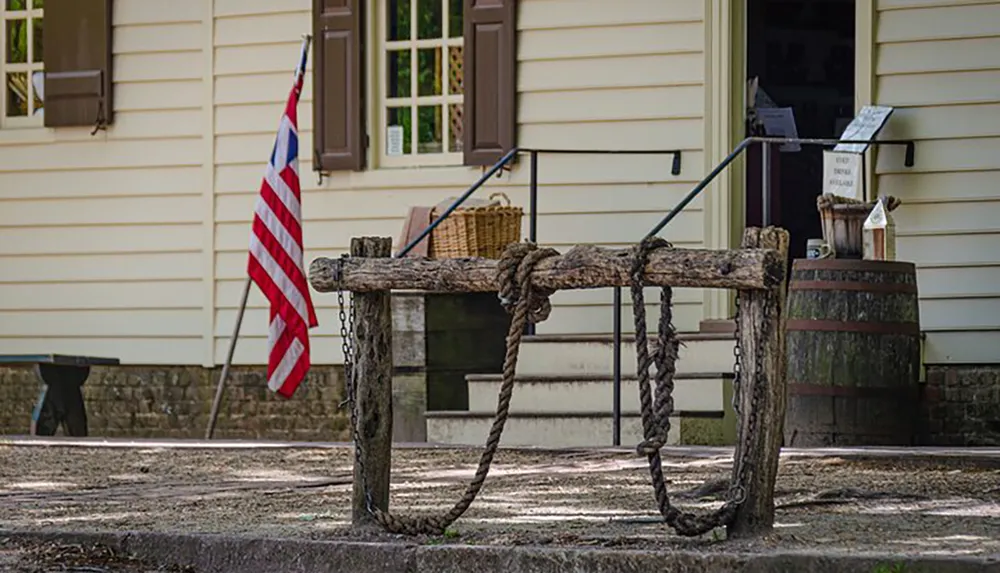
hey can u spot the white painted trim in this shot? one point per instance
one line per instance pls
(864, 76)
(208, 189)
(29, 67)
(721, 43)
(371, 88)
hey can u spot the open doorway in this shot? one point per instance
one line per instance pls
(802, 54)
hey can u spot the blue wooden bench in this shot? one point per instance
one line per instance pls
(60, 401)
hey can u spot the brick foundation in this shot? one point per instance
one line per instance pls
(961, 406)
(176, 402)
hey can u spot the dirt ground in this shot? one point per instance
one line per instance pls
(578, 498)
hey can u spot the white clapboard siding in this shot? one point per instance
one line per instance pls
(92, 183)
(180, 94)
(160, 322)
(156, 14)
(334, 204)
(104, 295)
(939, 64)
(102, 238)
(153, 214)
(79, 268)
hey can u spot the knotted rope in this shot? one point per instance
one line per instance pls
(525, 303)
(656, 415)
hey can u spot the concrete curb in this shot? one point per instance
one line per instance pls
(239, 554)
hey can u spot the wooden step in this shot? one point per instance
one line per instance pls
(698, 392)
(539, 429)
(573, 429)
(542, 355)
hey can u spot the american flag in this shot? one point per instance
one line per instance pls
(276, 263)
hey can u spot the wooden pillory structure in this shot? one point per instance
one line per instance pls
(525, 276)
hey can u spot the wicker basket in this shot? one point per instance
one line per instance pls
(477, 231)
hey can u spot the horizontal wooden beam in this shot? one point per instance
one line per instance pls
(582, 267)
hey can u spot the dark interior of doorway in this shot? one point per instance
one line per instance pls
(802, 52)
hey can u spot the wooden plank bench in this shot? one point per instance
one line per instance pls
(60, 401)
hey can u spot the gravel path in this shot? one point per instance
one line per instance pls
(571, 498)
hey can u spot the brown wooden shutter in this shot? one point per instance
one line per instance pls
(338, 85)
(77, 58)
(490, 65)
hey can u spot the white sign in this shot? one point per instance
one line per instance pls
(865, 126)
(780, 122)
(842, 174)
(394, 140)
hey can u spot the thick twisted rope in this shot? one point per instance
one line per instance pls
(525, 302)
(656, 416)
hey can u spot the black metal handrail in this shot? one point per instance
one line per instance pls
(766, 143)
(675, 169)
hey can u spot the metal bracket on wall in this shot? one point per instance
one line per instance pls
(506, 167)
(316, 167)
(100, 124)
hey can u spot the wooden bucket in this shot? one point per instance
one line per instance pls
(853, 349)
(843, 226)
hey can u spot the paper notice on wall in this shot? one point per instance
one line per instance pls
(864, 127)
(842, 174)
(780, 122)
(394, 140)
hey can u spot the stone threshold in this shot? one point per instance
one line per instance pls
(214, 553)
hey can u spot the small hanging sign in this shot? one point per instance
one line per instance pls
(842, 174)
(394, 140)
(864, 127)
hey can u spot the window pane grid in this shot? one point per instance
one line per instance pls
(422, 97)
(433, 43)
(22, 60)
(428, 100)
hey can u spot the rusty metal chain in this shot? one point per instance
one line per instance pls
(737, 362)
(525, 303)
(655, 419)
(350, 386)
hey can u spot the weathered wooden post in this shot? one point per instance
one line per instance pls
(372, 378)
(762, 369)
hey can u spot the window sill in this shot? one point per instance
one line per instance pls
(417, 161)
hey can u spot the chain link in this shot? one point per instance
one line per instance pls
(737, 367)
(350, 386)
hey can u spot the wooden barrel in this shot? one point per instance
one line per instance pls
(853, 349)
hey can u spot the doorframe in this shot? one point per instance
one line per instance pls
(725, 105)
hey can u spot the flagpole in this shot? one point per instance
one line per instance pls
(299, 69)
(229, 361)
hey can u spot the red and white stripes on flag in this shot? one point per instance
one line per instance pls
(276, 262)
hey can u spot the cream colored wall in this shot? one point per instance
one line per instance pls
(101, 238)
(627, 74)
(938, 63)
(133, 243)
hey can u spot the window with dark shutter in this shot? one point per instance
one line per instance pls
(77, 48)
(490, 80)
(338, 85)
